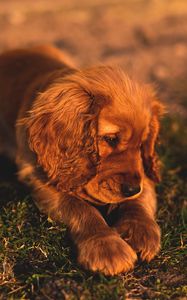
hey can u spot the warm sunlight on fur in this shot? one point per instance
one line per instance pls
(85, 139)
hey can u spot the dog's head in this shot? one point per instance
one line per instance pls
(94, 134)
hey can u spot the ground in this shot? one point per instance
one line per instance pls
(148, 39)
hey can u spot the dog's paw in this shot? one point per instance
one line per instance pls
(143, 236)
(108, 254)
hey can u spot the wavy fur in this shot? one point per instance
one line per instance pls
(66, 120)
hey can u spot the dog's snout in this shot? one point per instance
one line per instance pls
(129, 190)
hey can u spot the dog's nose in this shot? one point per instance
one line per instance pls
(129, 190)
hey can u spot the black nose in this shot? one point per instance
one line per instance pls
(129, 190)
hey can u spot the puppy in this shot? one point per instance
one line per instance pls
(84, 142)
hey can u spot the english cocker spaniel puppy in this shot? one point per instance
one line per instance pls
(84, 141)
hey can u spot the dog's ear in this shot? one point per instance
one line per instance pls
(62, 130)
(150, 158)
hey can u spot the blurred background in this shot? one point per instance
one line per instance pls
(147, 38)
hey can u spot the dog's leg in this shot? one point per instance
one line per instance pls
(137, 226)
(99, 247)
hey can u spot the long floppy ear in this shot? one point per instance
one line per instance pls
(62, 133)
(150, 158)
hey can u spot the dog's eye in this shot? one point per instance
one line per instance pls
(112, 141)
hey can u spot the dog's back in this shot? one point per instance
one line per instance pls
(20, 72)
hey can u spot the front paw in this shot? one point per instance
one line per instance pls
(143, 236)
(108, 254)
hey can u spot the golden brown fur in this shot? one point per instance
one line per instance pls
(84, 141)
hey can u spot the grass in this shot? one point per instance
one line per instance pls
(35, 257)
